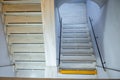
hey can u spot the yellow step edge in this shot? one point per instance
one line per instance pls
(82, 72)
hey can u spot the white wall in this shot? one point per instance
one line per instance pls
(98, 15)
(106, 22)
(4, 57)
(112, 37)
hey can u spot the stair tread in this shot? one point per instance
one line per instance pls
(76, 45)
(77, 58)
(23, 13)
(77, 31)
(29, 65)
(22, 1)
(77, 51)
(76, 40)
(77, 65)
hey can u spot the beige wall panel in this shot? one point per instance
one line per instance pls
(26, 38)
(23, 19)
(21, 8)
(24, 29)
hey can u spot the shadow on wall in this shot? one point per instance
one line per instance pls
(98, 15)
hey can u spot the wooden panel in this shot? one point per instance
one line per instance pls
(26, 38)
(27, 48)
(23, 19)
(21, 8)
(30, 65)
(78, 72)
(23, 13)
(20, 1)
(24, 29)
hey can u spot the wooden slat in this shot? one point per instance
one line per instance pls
(27, 48)
(23, 13)
(30, 65)
(26, 38)
(29, 56)
(24, 24)
(23, 19)
(24, 29)
(21, 8)
(20, 1)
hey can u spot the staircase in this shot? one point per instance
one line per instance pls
(24, 34)
(77, 55)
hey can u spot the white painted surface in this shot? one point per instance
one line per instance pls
(107, 29)
(112, 38)
(4, 57)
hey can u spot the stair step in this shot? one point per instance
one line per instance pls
(25, 38)
(30, 73)
(37, 24)
(76, 45)
(77, 51)
(29, 56)
(24, 29)
(23, 13)
(29, 65)
(21, 1)
(75, 35)
(81, 72)
(75, 26)
(75, 40)
(78, 58)
(75, 31)
(78, 65)
(27, 48)
(82, 19)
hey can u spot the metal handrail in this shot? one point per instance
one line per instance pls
(60, 20)
(101, 58)
(60, 39)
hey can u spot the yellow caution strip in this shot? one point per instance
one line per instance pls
(82, 72)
